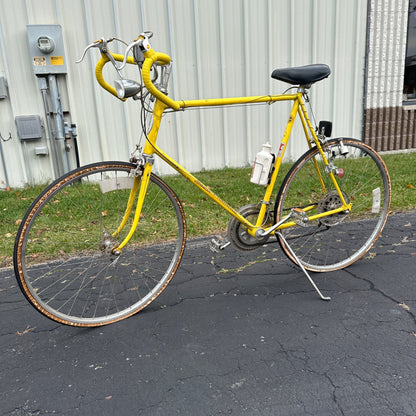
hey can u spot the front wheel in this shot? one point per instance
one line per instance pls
(63, 255)
(335, 241)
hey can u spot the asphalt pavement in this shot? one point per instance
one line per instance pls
(233, 334)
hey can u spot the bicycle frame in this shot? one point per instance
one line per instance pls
(163, 102)
(77, 272)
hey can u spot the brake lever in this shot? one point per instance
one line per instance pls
(112, 60)
(101, 44)
(126, 53)
(91, 45)
(142, 41)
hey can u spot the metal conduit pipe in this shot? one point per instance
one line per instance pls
(44, 88)
(62, 154)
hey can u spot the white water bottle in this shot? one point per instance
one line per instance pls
(262, 165)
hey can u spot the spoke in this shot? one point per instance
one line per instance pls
(85, 285)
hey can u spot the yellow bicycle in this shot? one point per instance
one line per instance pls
(103, 241)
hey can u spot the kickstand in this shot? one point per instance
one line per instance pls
(303, 269)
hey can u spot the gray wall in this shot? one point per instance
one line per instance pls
(219, 47)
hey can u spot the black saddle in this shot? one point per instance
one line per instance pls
(302, 75)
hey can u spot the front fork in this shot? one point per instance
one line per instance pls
(140, 185)
(142, 177)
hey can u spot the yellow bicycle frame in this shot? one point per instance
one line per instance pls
(163, 102)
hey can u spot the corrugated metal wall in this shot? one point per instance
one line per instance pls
(219, 47)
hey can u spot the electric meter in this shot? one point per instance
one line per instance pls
(46, 44)
(46, 48)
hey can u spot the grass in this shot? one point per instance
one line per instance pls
(203, 216)
(232, 185)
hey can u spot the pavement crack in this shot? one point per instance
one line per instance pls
(245, 266)
(334, 393)
(373, 287)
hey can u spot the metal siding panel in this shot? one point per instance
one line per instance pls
(220, 48)
(185, 67)
(257, 75)
(110, 133)
(280, 56)
(344, 67)
(82, 88)
(233, 68)
(14, 162)
(129, 19)
(207, 47)
(41, 11)
(16, 176)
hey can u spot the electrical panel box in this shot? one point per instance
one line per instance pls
(46, 47)
(29, 127)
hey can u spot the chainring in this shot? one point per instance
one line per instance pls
(331, 200)
(238, 234)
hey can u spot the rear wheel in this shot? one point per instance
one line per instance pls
(334, 242)
(64, 259)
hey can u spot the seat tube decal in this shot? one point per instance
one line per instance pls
(281, 149)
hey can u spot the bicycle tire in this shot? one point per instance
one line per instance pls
(335, 241)
(62, 254)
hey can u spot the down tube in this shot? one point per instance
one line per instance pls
(202, 187)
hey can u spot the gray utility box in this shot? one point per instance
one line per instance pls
(46, 48)
(29, 127)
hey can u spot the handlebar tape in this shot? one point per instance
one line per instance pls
(151, 57)
(99, 72)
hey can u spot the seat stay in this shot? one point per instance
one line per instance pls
(307, 124)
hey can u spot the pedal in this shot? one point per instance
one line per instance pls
(299, 216)
(218, 244)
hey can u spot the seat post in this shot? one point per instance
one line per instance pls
(303, 88)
